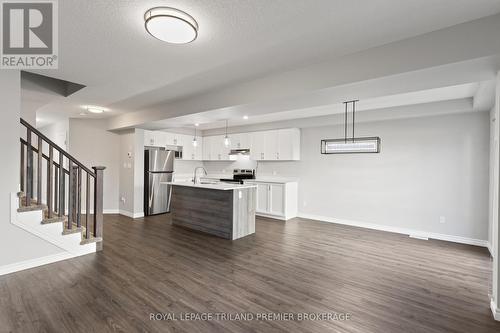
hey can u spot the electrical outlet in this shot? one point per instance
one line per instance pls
(442, 219)
(275, 173)
(304, 203)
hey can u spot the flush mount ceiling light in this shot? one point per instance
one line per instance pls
(171, 25)
(92, 109)
(95, 109)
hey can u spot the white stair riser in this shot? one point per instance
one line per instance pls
(52, 232)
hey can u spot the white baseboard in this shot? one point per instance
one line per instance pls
(26, 264)
(495, 310)
(275, 217)
(414, 233)
(130, 214)
(418, 237)
(104, 211)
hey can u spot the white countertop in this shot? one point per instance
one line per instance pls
(273, 179)
(216, 186)
(260, 178)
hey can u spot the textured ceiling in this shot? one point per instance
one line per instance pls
(103, 44)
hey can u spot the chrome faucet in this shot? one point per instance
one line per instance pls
(196, 179)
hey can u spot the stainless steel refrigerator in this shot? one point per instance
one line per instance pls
(158, 169)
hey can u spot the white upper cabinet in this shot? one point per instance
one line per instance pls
(218, 151)
(186, 142)
(198, 150)
(271, 145)
(149, 138)
(190, 152)
(169, 139)
(257, 146)
(240, 141)
(276, 145)
(160, 139)
(207, 152)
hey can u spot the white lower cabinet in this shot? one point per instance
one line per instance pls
(262, 198)
(276, 200)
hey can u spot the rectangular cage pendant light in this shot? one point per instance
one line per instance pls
(351, 145)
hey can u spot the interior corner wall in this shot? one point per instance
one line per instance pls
(493, 195)
(93, 145)
(16, 245)
(496, 207)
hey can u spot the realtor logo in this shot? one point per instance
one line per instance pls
(29, 34)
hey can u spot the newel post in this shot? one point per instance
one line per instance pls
(98, 203)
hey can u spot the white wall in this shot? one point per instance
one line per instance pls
(93, 145)
(58, 132)
(428, 167)
(16, 245)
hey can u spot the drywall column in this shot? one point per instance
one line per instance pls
(138, 173)
(495, 301)
(10, 90)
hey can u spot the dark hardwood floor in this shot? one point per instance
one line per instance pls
(388, 282)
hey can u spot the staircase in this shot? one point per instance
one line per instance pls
(61, 200)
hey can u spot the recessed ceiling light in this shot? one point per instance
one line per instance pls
(196, 124)
(171, 25)
(245, 117)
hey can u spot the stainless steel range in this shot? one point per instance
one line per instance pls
(240, 175)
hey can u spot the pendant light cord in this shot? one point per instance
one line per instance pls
(346, 112)
(345, 122)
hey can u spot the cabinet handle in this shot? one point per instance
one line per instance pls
(175, 141)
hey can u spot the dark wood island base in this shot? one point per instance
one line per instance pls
(226, 213)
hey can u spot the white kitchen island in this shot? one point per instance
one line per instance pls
(220, 209)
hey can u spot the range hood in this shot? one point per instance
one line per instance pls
(239, 152)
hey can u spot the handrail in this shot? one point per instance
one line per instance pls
(59, 149)
(66, 171)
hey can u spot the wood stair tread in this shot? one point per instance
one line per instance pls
(91, 240)
(31, 208)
